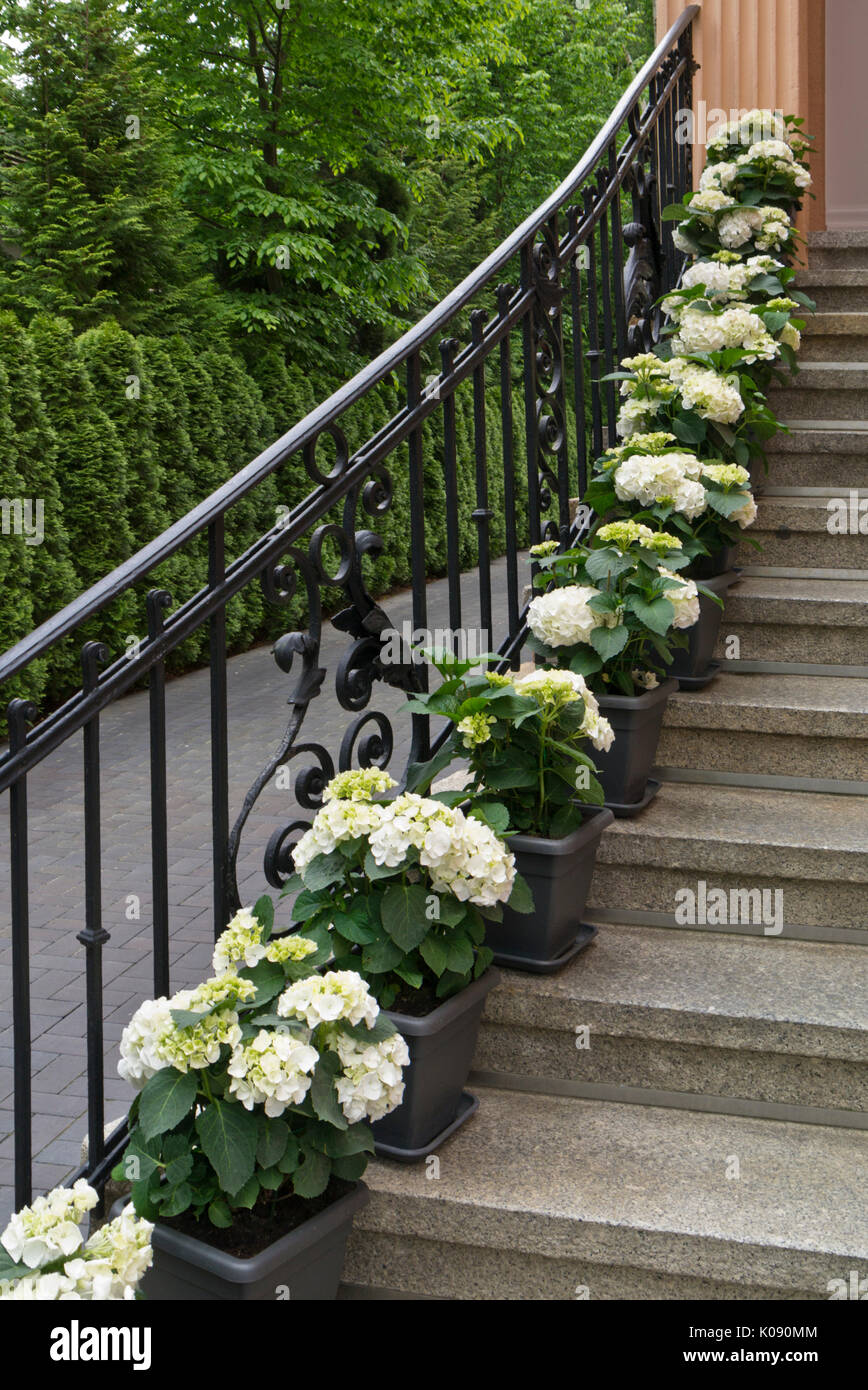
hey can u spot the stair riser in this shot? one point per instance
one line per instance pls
(817, 470)
(765, 754)
(765, 638)
(441, 1269)
(831, 403)
(838, 299)
(838, 257)
(834, 347)
(805, 549)
(669, 1065)
(805, 902)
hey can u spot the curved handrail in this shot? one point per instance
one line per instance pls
(162, 547)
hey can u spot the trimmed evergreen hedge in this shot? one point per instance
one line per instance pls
(120, 436)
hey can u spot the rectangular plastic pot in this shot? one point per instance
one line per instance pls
(441, 1047)
(693, 660)
(303, 1265)
(710, 566)
(558, 873)
(636, 721)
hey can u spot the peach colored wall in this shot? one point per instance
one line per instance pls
(847, 113)
(768, 53)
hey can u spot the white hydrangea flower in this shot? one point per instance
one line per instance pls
(746, 515)
(326, 998)
(736, 228)
(239, 944)
(719, 176)
(647, 679)
(49, 1228)
(152, 1040)
(554, 689)
(336, 822)
(476, 729)
(663, 478)
(685, 600)
(360, 784)
(727, 474)
(115, 1257)
(562, 618)
(791, 337)
(733, 328)
(712, 396)
(370, 1084)
(43, 1288)
(274, 1069)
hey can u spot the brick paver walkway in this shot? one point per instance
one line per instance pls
(257, 712)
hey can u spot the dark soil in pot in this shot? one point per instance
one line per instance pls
(253, 1231)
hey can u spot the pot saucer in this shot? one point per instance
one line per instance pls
(625, 810)
(584, 937)
(699, 682)
(467, 1106)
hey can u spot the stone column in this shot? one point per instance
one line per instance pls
(767, 53)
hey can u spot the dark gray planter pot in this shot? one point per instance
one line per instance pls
(441, 1047)
(692, 662)
(306, 1262)
(710, 566)
(636, 721)
(559, 874)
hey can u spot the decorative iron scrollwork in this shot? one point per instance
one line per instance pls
(643, 273)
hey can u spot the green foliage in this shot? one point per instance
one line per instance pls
(528, 771)
(195, 1147)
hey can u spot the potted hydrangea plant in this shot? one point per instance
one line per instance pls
(46, 1256)
(711, 219)
(529, 777)
(613, 611)
(718, 413)
(759, 159)
(400, 890)
(706, 503)
(249, 1133)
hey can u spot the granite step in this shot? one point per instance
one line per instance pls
(794, 532)
(818, 453)
(555, 1198)
(838, 250)
(802, 857)
(836, 290)
(822, 622)
(731, 1018)
(768, 725)
(823, 391)
(835, 338)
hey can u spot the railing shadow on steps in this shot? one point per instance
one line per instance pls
(574, 287)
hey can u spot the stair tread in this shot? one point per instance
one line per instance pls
(847, 429)
(830, 323)
(813, 834)
(836, 239)
(803, 988)
(832, 276)
(563, 1176)
(821, 706)
(799, 601)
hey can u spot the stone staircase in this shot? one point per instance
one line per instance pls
(682, 1112)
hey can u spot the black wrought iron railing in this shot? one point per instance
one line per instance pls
(533, 329)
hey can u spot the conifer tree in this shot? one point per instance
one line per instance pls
(116, 368)
(53, 581)
(91, 471)
(91, 221)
